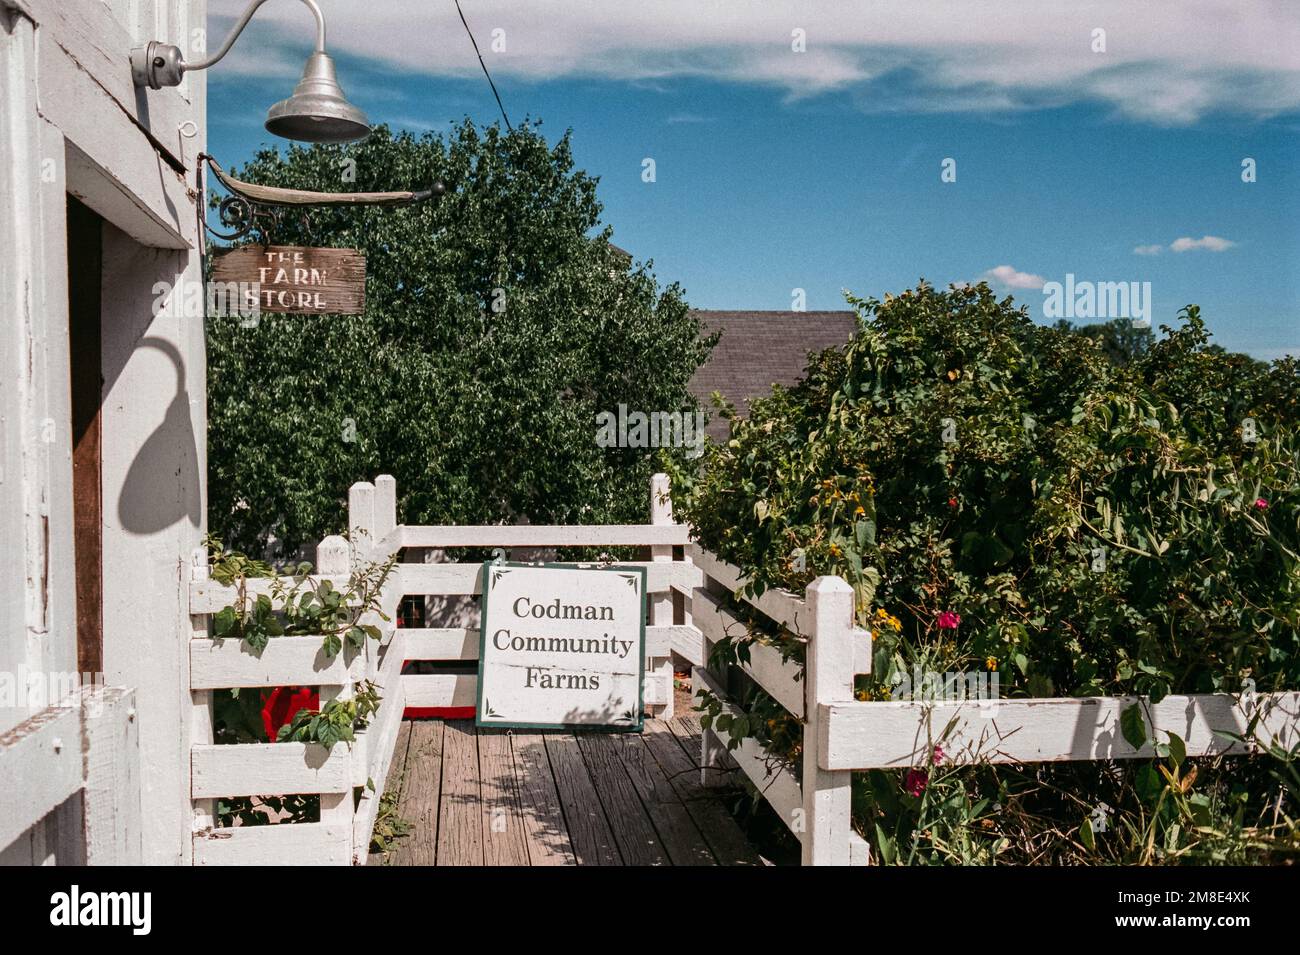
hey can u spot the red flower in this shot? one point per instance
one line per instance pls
(1261, 503)
(915, 781)
(938, 755)
(280, 705)
(949, 620)
(952, 502)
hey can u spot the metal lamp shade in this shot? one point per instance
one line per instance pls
(318, 112)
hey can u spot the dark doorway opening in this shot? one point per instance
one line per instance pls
(85, 341)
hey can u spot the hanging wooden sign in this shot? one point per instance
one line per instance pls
(561, 646)
(296, 280)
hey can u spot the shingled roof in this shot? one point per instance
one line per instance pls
(760, 349)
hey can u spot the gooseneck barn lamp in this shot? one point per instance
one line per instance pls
(317, 112)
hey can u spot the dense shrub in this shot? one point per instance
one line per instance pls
(1008, 496)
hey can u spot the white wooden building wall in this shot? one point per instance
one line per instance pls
(71, 122)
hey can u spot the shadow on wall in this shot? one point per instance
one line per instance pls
(162, 484)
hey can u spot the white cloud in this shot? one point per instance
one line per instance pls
(1167, 62)
(1211, 243)
(1013, 278)
(1148, 249)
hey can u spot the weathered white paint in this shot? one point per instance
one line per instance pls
(361, 518)
(40, 765)
(385, 508)
(114, 828)
(265, 769)
(901, 733)
(454, 579)
(310, 843)
(440, 689)
(536, 535)
(828, 677)
(285, 661)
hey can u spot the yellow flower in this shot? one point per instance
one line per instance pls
(835, 549)
(991, 663)
(859, 510)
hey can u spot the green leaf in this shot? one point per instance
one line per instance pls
(1133, 726)
(223, 621)
(1177, 749)
(1086, 836)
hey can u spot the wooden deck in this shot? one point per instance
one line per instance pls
(499, 797)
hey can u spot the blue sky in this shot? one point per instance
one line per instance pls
(819, 169)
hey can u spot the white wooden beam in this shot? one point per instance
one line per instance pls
(899, 733)
(539, 535)
(310, 843)
(285, 661)
(424, 690)
(269, 769)
(40, 761)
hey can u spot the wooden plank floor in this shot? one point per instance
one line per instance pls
(496, 797)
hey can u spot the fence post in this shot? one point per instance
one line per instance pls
(361, 519)
(333, 558)
(828, 678)
(659, 670)
(201, 712)
(385, 508)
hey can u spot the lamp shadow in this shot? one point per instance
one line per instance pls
(162, 484)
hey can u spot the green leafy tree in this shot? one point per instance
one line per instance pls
(499, 322)
(1120, 340)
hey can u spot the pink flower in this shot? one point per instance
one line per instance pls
(1261, 503)
(915, 781)
(938, 755)
(949, 620)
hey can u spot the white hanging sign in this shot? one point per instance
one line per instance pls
(562, 645)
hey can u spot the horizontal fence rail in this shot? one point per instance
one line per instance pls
(894, 734)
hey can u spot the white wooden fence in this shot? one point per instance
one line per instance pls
(842, 735)
(690, 590)
(339, 776)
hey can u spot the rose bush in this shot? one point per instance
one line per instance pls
(1007, 496)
